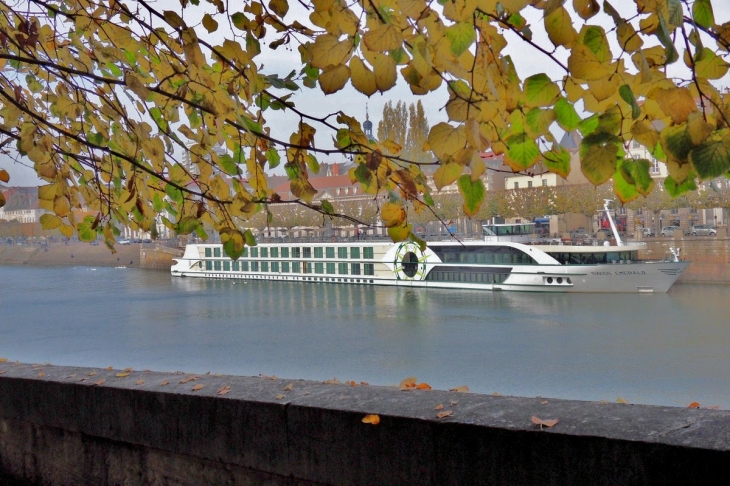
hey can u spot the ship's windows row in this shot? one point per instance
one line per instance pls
(592, 258)
(329, 268)
(299, 252)
(481, 254)
(469, 277)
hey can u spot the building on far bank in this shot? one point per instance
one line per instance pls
(21, 205)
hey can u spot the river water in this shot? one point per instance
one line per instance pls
(664, 349)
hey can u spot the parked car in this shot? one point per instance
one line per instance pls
(702, 230)
(579, 234)
(669, 230)
(647, 232)
(604, 233)
(124, 242)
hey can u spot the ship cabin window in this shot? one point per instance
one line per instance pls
(306, 267)
(295, 267)
(307, 251)
(254, 266)
(369, 269)
(318, 252)
(295, 253)
(508, 229)
(342, 268)
(254, 252)
(330, 252)
(264, 266)
(467, 274)
(342, 252)
(208, 265)
(483, 254)
(594, 258)
(264, 252)
(274, 252)
(355, 268)
(244, 266)
(275, 267)
(318, 267)
(236, 266)
(217, 265)
(367, 252)
(217, 252)
(285, 252)
(284, 265)
(331, 268)
(226, 266)
(355, 253)
(208, 252)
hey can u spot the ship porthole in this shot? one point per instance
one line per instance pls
(410, 264)
(568, 280)
(549, 280)
(560, 280)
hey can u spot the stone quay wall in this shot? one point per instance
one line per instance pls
(72, 426)
(710, 256)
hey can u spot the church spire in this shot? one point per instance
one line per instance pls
(367, 126)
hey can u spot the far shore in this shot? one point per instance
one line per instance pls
(62, 254)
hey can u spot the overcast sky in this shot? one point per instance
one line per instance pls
(527, 61)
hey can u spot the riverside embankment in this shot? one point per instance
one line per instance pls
(710, 256)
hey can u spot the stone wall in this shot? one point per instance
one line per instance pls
(68, 426)
(710, 256)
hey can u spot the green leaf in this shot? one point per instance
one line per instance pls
(522, 152)
(327, 207)
(557, 160)
(239, 21)
(675, 189)
(228, 164)
(272, 155)
(566, 115)
(676, 142)
(702, 13)
(625, 190)
(636, 172)
(249, 237)
(461, 35)
(85, 230)
(187, 225)
(540, 90)
(174, 193)
(473, 193)
(599, 156)
(628, 96)
(233, 242)
(711, 158)
(312, 163)
(399, 232)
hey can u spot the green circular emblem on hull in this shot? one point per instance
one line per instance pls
(410, 262)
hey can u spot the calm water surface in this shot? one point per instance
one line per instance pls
(668, 349)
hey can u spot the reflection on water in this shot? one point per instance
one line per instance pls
(662, 349)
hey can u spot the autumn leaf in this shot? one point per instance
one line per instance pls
(460, 389)
(224, 390)
(423, 386)
(544, 423)
(140, 382)
(122, 375)
(289, 387)
(41, 374)
(622, 400)
(444, 414)
(280, 396)
(440, 406)
(3, 360)
(164, 383)
(408, 383)
(371, 419)
(693, 405)
(100, 382)
(197, 387)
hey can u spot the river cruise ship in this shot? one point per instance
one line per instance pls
(509, 257)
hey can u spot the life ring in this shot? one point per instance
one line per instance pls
(410, 262)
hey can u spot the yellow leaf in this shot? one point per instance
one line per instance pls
(164, 383)
(383, 38)
(423, 386)
(440, 406)
(289, 387)
(197, 387)
(224, 390)
(675, 102)
(280, 7)
(371, 419)
(628, 39)
(3, 360)
(444, 414)
(559, 27)
(279, 396)
(460, 389)
(584, 64)
(385, 71)
(393, 214)
(622, 400)
(363, 78)
(210, 24)
(100, 382)
(446, 174)
(122, 375)
(334, 78)
(140, 382)
(4, 176)
(328, 50)
(446, 140)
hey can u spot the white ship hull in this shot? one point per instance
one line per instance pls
(471, 265)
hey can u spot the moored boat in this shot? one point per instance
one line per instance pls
(508, 258)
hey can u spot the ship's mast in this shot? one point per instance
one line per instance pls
(606, 202)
